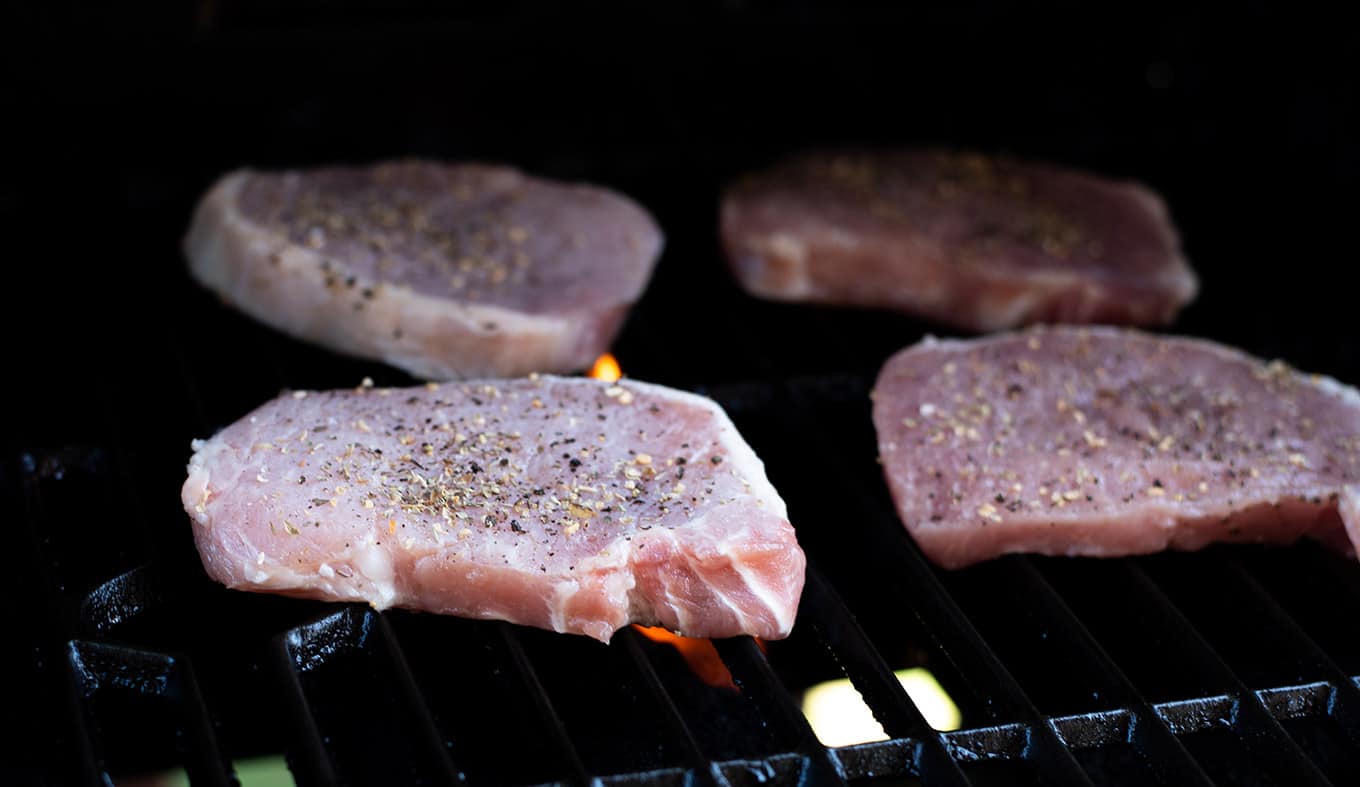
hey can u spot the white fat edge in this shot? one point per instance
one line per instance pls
(791, 250)
(375, 564)
(1349, 509)
(415, 312)
(783, 616)
(196, 492)
(1330, 385)
(563, 590)
(783, 613)
(613, 560)
(682, 618)
(1000, 313)
(712, 587)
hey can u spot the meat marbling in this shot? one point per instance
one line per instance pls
(1100, 441)
(568, 504)
(967, 240)
(445, 271)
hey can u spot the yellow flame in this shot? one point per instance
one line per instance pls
(606, 368)
(840, 717)
(699, 654)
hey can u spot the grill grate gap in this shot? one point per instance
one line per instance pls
(360, 698)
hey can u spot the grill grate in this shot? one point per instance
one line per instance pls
(1170, 669)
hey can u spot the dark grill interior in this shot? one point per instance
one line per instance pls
(1230, 666)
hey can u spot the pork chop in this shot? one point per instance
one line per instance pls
(1100, 441)
(975, 242)
(568, 504)
(445, 271)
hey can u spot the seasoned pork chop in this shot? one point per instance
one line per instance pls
(445, 271)
(568, 504)
(976, 242)
(1096, 441)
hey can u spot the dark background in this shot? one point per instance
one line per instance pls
(1244, 117)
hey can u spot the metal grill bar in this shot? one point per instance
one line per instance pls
(1250, 719)
(556, 729)
(876, 683)
(359, 692)
(754, 675)
(101, 668)
(1344, 704)
(1145, 729)
(705, 772)
(1093, 730)
(308, 759)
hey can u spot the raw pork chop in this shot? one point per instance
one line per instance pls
(976, 242)
(445, 271)
(568, 504)
(1104, 442)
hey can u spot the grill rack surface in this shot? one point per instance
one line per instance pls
(1216, 667)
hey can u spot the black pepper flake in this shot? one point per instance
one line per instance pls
(302, 479)
(504, 462)
(514, 525)
(717, 460)
(575, 463)
(474, 467)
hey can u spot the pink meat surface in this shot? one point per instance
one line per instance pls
(976, 242)
(445, 271)
(1100, 441)
(568, 504)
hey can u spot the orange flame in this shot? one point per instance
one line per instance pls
(606, 368)
(699, 654)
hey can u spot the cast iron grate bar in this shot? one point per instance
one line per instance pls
(1345, 704)
(307, 758)
(102, 669)
(918, 588)
(705, 772)
(872, 678)
(561, 739)
(74, 742)
(1148, 733)
(1099, 728)
(1251, 719)
(753, 674)
(357, 690)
